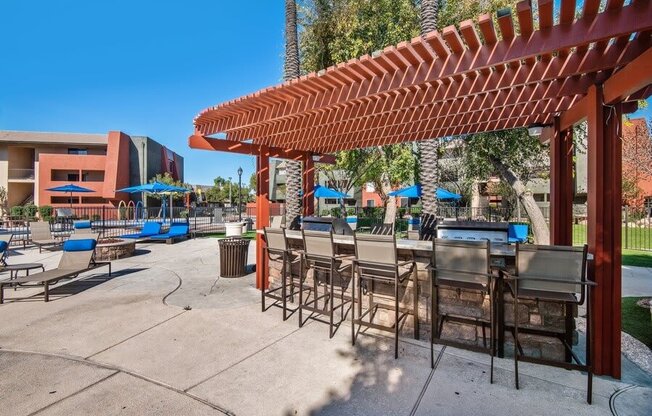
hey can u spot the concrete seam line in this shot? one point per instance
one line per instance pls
(120, 370)
(74, 393)
(245, 358)
(134, 335)
(427, 383)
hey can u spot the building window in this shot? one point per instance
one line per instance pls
(77, 151)
(330, 201)
(371, 203)
(539, 197)
(73, 177)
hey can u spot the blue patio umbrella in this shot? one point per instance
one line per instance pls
(69, 189)
(154, 188)
(414, 191)
(324, 192)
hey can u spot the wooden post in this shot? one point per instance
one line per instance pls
(561, 186)
(262, 215)
(308, 185)
(604, 229)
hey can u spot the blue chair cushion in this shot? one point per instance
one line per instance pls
(3, 246)
(82, 224)
(150, 228)
(86, 244)
(178, 230)
(517, 233)
(351, 220)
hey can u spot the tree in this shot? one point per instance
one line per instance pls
(291, 71)
(515, 157)
(3, 200)
(428, 150)
(339, 30)
(637, 158)
(167, 179)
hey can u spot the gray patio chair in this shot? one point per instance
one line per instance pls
(277, 221)
(553, 274)
(462, 265)
(331, 271)
(382, 229)
(277, 249)
(41, 235)
(78, 257)
(376, 264)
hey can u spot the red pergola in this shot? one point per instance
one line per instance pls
(464, 81)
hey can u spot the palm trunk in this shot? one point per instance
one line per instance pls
(429, 149)
(291, 71)
(537, 220)
(390, 202)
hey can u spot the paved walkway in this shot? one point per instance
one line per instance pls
(166, 336)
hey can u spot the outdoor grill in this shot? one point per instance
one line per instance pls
(337, 225)
(496, 232)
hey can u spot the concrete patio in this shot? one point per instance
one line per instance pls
(165, 335)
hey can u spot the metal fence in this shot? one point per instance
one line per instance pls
(113, 222)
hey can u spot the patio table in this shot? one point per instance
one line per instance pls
(13, 269)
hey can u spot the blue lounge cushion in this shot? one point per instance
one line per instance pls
(150, 228)
(82, 224)
(86, 244)
(175, 231)
(3, 246)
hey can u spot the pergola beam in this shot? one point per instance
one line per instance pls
(629, 80)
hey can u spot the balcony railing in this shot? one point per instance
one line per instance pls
(21, 174)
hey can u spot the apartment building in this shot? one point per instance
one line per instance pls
(32, 162)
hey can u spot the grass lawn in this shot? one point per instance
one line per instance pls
(637, 321)
(251, 235)
(637, 258)
(637, 237)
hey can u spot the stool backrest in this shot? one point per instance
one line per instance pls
(563, 263)
(375, 248)
(462, 261)
(318, 243)
(40, 230)
(275, 238)
(277, 221)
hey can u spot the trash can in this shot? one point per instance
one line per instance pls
(233, 257)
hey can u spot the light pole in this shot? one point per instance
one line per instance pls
(239, 194)
(230, 200)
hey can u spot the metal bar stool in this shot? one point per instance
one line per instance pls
(458, 264)
(319, 255)
(376, 262)
(553, 274)
(278, 250)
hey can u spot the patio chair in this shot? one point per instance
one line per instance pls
(517, 233)
(277, 221)
(377, 265)
(176, 232)
(277, 249)
(320, 256)
(77, 258)
(413, 234)
(553, 274)
(382, 229)
(150, 229)
(5, 240)
(461, 265)
(41, 236)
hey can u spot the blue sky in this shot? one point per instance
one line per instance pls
(143, 67)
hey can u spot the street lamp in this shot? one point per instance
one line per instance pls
(239, 194)
(230, 200)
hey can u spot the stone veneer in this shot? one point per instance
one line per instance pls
(466, 303)
(114, 250)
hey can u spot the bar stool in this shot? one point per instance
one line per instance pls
(278, 250)
(458, 264)
(553, 274)
(376, 262)
(319, 255)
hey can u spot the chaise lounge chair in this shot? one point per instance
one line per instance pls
(150, 229)
(176, 232)
(40, 235)
(77, 258)
(5, 240)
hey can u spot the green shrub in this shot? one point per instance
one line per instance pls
(17, 211)
(350, 211)
(336, 212)
(325, 212)
(47, 218)
(45, 211)
(184, 213)
(30, 210)
(96, 217)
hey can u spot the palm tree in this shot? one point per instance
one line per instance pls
(291, 71)
(429, 149)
